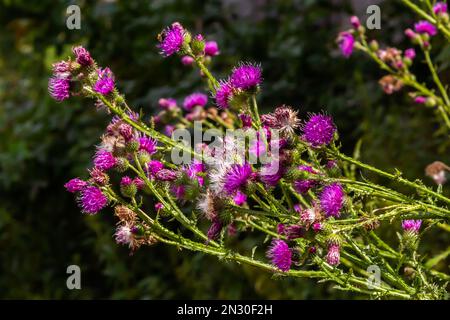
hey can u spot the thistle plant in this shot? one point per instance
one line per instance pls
(285, 180)
(398, 63)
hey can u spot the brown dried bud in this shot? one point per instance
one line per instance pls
(436, 171)
(124, 214)
(390, 84)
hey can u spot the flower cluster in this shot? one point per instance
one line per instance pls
(283, 178)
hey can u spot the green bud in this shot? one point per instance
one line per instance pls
(374, 45)
(144, 157)
(430, 102)
(121, 164)
(198, 45)
(129, 190)
(132, 146)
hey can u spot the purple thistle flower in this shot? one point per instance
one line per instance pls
(412, 226)
(92, 200)
(123, 235)
(303, 186)
(354, 20)
(420, 100)
(333, 256)
(424, 26)
(61, 69)
(153, 167)
(215, 229)
(167, 103)
(75, 185)
(126, 131)
(82, 56)
(319, 130)
(59, 88)
(187, 60)
(211, 48)
(194, 100)
(171, 39)
(179, 191)
(317, 227)
(104, 160)
(126, 181)
(280, 255)
(246, 120)
(346, 43)
(294, 231)
(237, 177)
(140, 184)
(105, 82)
(239, 198)
(440, 8)
(166, 175)
(246, 76)
(223, 95)
(271, 173)
(169, 129)
(159, 206)
(410, 53)
(410, 34)
(332, 199)
(147, 144)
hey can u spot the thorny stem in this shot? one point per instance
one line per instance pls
(394, 177)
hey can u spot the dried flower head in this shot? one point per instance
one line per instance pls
(436, 171)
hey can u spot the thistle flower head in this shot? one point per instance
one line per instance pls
(171, 39)
(211, 48)
(237, 177)
(410, 53)
(124, 235)
(271, 173)
(167, 103)
(59, 88)
(426, 27)
(147, 144)
(215, 229)
(75, 185)
(82, 56)
(246, 120)
(166, 175)
(284, 118)
(187, 60)
(354, 20)
(319, 130)
(303, 186)
(332, 199)
(440, 8)
(280, 254)
(333, 256)
(437, 171)
(224, 93)
(61, 69)
(98, 176)
(412, 226)
(105, 82)
(153, 167)
(246, 76)
(92, 200)
(346, 43)
(104, 160)
(239, 198)
(194, 100)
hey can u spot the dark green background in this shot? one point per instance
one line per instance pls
(43, 143)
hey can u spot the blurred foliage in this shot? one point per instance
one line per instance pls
(43, 143)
